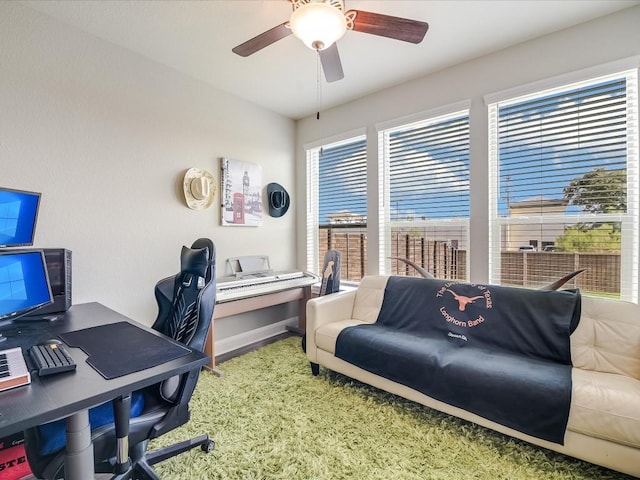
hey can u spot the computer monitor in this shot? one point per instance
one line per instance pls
(24, 283)
(18, 216)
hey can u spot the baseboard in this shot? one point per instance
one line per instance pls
(244, 339)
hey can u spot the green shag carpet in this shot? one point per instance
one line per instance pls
(271, 419)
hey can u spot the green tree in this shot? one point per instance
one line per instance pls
(599, 191)
(602, 238)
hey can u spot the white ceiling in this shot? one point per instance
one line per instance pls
(196, 38)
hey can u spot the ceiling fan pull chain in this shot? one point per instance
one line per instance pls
(319, 92)
(318, 83)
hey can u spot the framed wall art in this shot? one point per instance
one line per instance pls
(241, 193)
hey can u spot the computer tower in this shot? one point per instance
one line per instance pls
(58, 262)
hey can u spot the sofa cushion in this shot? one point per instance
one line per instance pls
(369, 298)
(608, 337)
(325, 336)
(607, 406)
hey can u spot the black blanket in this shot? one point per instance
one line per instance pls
(502, 353)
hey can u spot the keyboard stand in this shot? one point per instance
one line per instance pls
(236, 307)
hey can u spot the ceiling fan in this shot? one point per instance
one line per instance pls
(320, 23)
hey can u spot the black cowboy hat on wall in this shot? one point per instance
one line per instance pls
(279, 200)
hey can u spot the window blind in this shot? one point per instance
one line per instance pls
(338, 193)
(426, 180)
(342, 180)
(564, 188)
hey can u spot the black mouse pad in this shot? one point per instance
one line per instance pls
(118, 349)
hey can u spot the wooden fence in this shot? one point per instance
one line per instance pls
(528, 269)
(352, 243)
(534, 269)
(436, 257)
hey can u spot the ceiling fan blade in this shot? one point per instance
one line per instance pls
(403, 29)
(263, 40)
(331, 65)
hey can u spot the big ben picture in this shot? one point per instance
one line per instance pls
(241, 193)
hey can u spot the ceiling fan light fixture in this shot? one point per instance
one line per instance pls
(318, 24)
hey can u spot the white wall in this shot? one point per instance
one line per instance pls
(591, 44)
(107, 135)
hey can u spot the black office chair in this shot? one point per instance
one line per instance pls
(185, 302)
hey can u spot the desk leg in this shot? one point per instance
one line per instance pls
(210, 349)
(301, 329)
(79, 456)
(302, 309)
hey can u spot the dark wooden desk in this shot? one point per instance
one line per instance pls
(70, 395)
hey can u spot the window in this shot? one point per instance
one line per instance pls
(337, 195)
(9, 214)
(564, 187)
(12, 285)
(425, 207)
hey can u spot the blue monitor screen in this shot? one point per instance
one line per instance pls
(18, 215)
(24, 284)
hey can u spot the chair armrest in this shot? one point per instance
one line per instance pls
(324, 310)
(178, 414)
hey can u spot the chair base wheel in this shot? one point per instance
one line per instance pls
(208, 446)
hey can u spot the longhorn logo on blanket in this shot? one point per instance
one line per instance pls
(461, 296)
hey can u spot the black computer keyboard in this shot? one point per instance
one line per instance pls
(51, 358)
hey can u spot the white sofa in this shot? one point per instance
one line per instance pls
(604, 417)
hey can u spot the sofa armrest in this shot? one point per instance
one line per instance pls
(324, 310)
